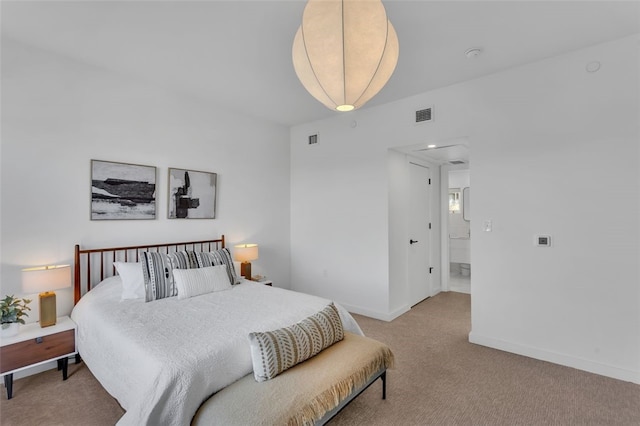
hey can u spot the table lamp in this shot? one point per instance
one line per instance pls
(244, 253)
(46, 279)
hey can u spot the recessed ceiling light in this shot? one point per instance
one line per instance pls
(431, 146)
(473, 52)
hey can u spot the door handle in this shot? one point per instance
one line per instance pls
(413, 241)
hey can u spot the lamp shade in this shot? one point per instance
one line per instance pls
(245, 252)
(345, 51)
(46, 278)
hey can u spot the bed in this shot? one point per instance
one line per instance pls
(163, 358)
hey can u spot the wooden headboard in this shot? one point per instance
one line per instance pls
(87, 272)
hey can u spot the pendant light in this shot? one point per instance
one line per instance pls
(345, 51)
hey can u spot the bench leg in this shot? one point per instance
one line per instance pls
(383, 376)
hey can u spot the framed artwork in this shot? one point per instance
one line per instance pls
(192, 194)
(122, 191)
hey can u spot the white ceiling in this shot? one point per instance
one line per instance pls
(238, 53)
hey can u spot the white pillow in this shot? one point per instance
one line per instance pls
(132, 279)
(193, 282)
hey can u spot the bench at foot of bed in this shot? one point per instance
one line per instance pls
(309, 393)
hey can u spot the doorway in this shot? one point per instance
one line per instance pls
(439, 157)
(459, 229)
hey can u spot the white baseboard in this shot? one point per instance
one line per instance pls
(395, 314)
(383, 316)
(556, 358)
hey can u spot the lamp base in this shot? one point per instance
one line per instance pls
(47, 309)
(245, 270)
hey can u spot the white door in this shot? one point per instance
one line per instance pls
(419, 233)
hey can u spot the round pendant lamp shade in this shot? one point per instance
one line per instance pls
(345, 51)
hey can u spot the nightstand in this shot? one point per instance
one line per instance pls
(263, 281)
(35, 345)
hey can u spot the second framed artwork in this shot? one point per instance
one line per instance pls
(192, 194)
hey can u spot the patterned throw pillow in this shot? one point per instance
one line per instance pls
(219, 257)
(273, 352)
(157, 269)
(158, 276)
(184, 260)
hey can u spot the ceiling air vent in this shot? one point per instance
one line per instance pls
(424, 115)
(313, 139)
(456, 162)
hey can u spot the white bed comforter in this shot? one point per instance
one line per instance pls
(162, 359)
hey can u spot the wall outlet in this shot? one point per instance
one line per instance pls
(488, 225)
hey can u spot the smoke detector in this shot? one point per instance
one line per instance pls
(593, 66)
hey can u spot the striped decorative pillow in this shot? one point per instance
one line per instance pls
(184, 260)
(273, 352)
(219, 257)
(157, 269)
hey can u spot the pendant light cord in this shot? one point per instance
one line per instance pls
(344, 62)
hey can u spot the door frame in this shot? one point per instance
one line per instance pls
(398, 231)
(428, 292)
(435, 202)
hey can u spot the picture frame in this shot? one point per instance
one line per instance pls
(192, 194)
(122, 191)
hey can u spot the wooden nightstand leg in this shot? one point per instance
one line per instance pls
(8, 383)
(65, 365)
(78, 359)
(59, 364)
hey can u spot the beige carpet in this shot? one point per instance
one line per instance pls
(439, 379)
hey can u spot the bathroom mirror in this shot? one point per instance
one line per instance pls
(466, 206)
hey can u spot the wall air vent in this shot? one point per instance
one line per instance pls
(313, 139)
(424, 115)
(456, 161)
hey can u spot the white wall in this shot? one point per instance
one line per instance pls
(338, 209)
(58, 114)
(554, 150)
(399, 193)
(459, 179)
(558, 155)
